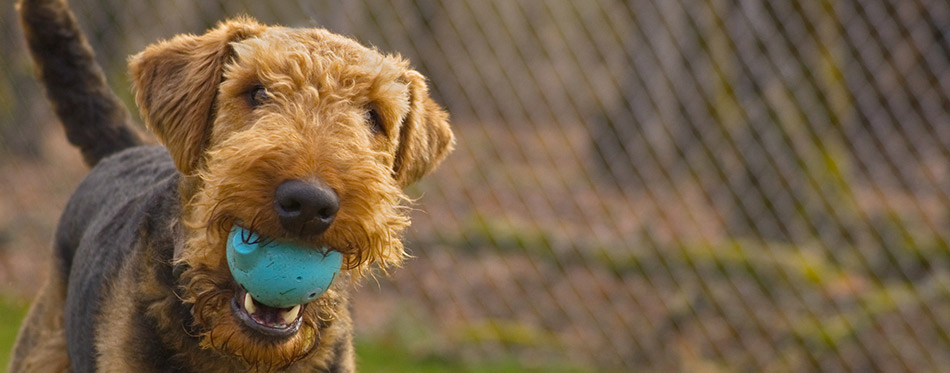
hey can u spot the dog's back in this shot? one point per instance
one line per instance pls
(94, 240)
(94, 118)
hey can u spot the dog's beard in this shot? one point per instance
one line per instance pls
(207, 285)
(211, 294)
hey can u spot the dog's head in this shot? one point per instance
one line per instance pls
(297, 135)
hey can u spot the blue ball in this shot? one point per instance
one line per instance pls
(280, 274)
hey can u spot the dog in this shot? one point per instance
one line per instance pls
(298, 137)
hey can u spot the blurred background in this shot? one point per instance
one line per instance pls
(667, 185)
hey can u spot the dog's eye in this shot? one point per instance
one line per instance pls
(257, 96)
(373, 120)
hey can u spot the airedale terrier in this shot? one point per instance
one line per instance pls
(298, 139)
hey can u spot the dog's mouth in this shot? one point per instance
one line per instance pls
(269, 321)
(276, 279)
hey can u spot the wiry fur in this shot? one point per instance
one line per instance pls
(140, 249)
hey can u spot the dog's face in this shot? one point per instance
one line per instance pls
(297, 135)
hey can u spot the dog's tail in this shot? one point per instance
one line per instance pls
(94, 118)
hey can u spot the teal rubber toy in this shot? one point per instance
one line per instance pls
(280, 274)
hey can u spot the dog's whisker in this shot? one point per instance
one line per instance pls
(216, 218)
(254, 227)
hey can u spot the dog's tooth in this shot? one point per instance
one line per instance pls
(249, 304)
(291, 315)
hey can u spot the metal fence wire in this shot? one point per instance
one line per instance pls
(661, 185)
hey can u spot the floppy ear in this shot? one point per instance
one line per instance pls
(176, 82)
(425, 137)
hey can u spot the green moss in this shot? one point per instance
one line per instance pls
(770, 264)
(507, 236)
(12, 312)
(826, 334)
(507, 332)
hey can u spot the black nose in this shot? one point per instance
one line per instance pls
(305, 208)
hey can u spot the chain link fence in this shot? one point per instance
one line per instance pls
(639, 185)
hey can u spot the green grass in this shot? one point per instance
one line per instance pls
(377, 356)
(12, 312)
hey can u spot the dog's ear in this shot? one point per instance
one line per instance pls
(176, 82)
(424, 137)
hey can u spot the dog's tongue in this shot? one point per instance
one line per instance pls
(280, 274)
(270, 316)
